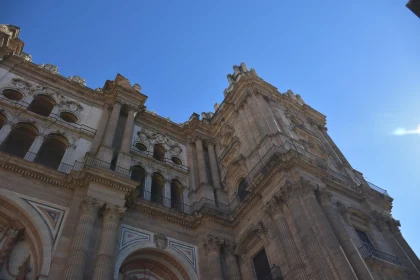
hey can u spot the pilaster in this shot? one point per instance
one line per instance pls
(104, 266)
(78, 253)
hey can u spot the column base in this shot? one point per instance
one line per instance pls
(105, 154)
(205, 195)
(123, 164)
(221, 197)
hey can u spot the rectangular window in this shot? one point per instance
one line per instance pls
(261, 266)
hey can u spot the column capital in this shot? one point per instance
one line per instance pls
(324, 195)
(213, 243)
(275, 205)
(229, 247)
(112, 214)
(89, 206)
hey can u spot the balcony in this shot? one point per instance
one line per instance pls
(24, 157)
(369, 252)
(378, 189)
(167, 161)
(53, 117)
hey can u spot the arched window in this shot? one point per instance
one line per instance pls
(138, 174)
(176, 160)
(20, 140)
(141, 147)
(242, 192)
(158, 184)
(176, 195)
(159, 152)
(42, 105)
(3, 120)
(12, 94)
(52, 151)
(68, 117)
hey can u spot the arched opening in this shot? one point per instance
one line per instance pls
(176, 195)
(33, 239)
(52, 151)
(68, 117)
(12, 94)
(159, 152)
(153, 264)
(242, 192)
(20, 140)
(138, 174)
(176, 160)
(141, 147)
(158, 185)
(42, 105)
(3, 120)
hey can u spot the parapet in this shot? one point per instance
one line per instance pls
(238, 73)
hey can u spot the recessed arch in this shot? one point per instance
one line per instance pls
(52, 151)
(20, 139)
(35, 229)
(157, 189)
(167, 257)
(13, 94)
(159, 152)
(3, 119)
(177, 200)
(42, 105)
(138, 174)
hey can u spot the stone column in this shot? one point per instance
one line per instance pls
(191, 165)
(231, 261)
(249, 116)
(5, 131)
(9, 243)
(394, 228)
(267, 113)
(248, 136)
(213, 166)
(213, 245)
(65, 165)
(167, 193)
(294, 261)
(104, 265)
(112, 125)
(357, 262)
(148, 186)
(34, 149)
(381, 223)
(128, 132)
(325, 233)
(100, 130)
(80, 245)
(333, 146)
(201, 162)
(320, 267)
(258, 117)
(282, 119)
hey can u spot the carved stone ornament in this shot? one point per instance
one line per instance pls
(88, 206)
(229, 247)
(25, 85)
(111, 214)
(213, 243)
(161, 241)
(71, 106)
(226, 135)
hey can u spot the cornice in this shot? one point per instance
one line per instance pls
(33, 72)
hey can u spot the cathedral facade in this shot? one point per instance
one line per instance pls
(95, 186)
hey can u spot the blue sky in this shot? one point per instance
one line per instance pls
(357, 62)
